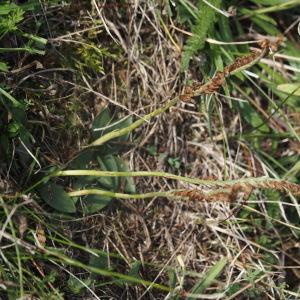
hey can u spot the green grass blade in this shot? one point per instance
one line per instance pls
(11, 98)
(212, 274)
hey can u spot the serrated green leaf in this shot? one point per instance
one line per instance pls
(93, 203)
(211, 275)
(55, 196)
(206, 17)
(290, 88)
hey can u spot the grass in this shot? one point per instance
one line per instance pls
(146, 153)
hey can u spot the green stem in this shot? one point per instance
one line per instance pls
(218, 183)
(120, 132)
(121, 195)
(278, 7)
(30, 50)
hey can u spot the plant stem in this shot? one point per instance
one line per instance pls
(121, 195)
(255, 182)
(120, 132)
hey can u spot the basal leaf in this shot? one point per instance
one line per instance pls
(55, 196)
(102, 120)
(111, 164)
(82, 160)
(93, 203)
(129, 182)
(100, 262)
(120, 125)
(107, 182)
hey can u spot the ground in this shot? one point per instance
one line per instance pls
(214, 215)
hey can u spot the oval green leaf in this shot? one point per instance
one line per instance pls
(93, 203)
(102, 120)
(106, 182)
(129, 182)
(55, 196)
(111, 164)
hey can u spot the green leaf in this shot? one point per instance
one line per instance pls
(120, 125)
(134, 271)
(129, 182)
(211, 275)
(93, 203)
(10, 21)
(82, 160)
(172, 279)
(102, 120)
(55, 196)
(152, 150)
(293, 171)
(99, 262)
(3, 66)
(204, 24)
(15, 102)
(174, 162)
(265, 25)
(13, 129)
(77, 286)
(111, 164)
(107, 182)
(290, 88)
(39, 40)
(252, 117)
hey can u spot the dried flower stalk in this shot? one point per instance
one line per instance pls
(241, 63)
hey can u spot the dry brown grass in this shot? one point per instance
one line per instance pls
(184, 235)
(187, 236)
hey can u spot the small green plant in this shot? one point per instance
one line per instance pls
(9, 22)
(152, 150)
(104, 158)
(91, 56)
(97, 175)
(13, 124)
(174, 162)
(206, 17)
